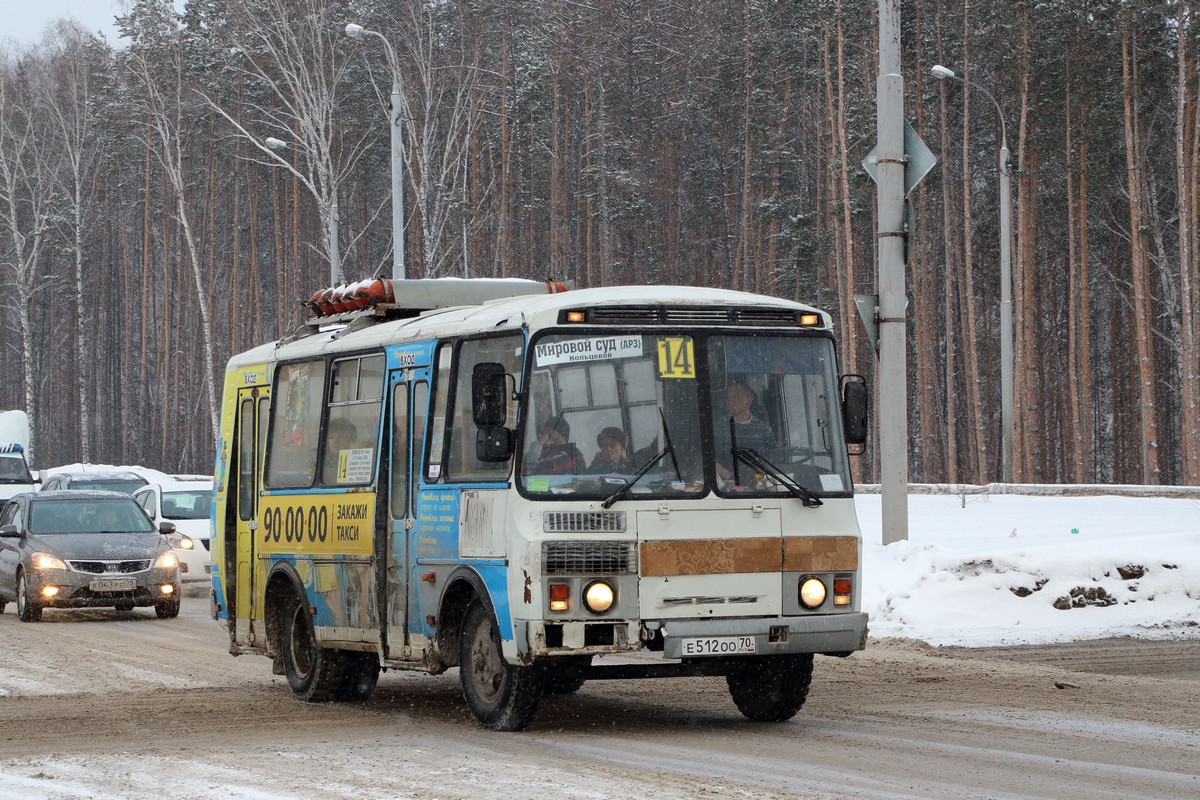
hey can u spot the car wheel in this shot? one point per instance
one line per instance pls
(771, 688)
(167, 609)
(360, 673)
(28, 608)
(313, 672)
(501, 696)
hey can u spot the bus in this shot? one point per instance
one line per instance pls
(541, 487)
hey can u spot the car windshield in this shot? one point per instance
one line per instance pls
(13, 469)
(126, 485)
(756, 413)
(192, 504)
(88, 515)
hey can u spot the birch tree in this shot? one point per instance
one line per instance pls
(28, 178)
(156, 62)
(68, 99)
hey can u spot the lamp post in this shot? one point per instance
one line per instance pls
(1006, 321)
(335, 257)
(357, 32)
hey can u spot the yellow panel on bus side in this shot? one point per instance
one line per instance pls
(341, 523)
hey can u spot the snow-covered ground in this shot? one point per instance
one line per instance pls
(980, 570)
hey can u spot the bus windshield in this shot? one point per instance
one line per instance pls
(678, 414)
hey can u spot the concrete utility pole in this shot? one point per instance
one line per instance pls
(396, 118)
(893, 302)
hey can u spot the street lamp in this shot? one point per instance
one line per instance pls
(1006, 324)
(357, 32)
(335, 258)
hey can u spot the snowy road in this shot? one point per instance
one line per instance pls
(102, 704)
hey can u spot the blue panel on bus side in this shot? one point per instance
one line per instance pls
(495, 577)
(403, 356)
(435, 524)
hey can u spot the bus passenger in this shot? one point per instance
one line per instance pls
(612, 457)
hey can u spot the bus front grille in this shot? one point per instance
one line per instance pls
(588, 558)
(583, 521)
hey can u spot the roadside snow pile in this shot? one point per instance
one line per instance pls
(1013, 569)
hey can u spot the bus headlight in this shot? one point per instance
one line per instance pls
(598, 597)
(812, 592)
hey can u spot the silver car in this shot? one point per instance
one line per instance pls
(74, 549)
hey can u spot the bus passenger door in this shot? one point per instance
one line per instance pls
(253, 409)
(408, 397)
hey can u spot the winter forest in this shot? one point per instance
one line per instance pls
(148, 230)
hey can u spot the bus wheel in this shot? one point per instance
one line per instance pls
(501, 696)
(359, 676)
(313, 672)
(771, 688)
(28, 609)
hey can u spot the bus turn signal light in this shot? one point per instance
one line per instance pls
(560, 594)
(841, 591)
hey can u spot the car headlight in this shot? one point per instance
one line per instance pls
(181, 542)
(46, 561)
(812, 592)
(167, 560)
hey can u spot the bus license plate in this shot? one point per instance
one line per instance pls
(113, 585)
(719, 646)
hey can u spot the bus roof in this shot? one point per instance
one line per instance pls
(537, 311)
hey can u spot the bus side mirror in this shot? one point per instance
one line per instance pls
(489, 401)
(855, 405)
(493, 445)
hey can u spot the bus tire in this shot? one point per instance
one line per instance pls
(501, 696)
(360, 673)
(771, 688)
(313, 672)
(28, 608)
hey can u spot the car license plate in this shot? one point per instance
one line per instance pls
(113, 584)
(719, 646)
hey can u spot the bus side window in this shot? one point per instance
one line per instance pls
(245, 460)
(462, 461)
(399, 460)
(352, 431)
(420, 408)
(296, 422)
(437, 426)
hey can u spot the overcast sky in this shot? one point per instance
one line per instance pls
(25, 20)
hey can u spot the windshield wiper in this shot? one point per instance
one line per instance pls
(760, 463)
(625, 487)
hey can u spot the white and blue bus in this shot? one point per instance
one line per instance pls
(541, 487)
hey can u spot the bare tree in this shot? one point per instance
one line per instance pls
(438, 124)
(28, 176)
(67, 94)
(166, 97)
(290, 50)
